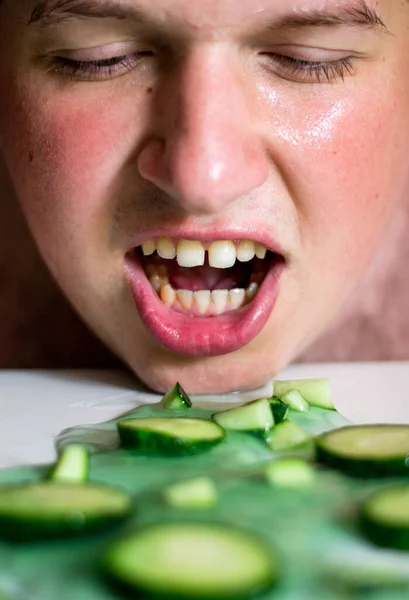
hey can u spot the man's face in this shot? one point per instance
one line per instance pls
(202, 134)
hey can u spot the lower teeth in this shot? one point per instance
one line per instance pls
(204, 302)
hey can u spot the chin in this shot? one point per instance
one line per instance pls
(216, 375)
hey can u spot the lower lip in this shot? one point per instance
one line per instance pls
(202, 336)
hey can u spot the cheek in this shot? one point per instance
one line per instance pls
(65, 158)
(345, 164)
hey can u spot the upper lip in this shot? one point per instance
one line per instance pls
(209, 234)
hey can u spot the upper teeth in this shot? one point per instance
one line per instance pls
(222, 254)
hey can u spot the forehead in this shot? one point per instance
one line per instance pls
(205, 20)
(208, 13)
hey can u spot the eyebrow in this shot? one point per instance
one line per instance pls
(357, 14)
(48, 11)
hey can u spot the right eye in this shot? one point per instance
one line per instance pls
(97, 70)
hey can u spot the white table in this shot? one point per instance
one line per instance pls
(36, 405)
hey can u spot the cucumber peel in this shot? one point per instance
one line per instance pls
(280, 410)
(51, 509)
(317, 392)
(176, 398)
(173, 435)
(194, 493)
(384, 517)
(366, 450)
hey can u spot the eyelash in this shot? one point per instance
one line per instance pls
(328, 71)
(96, 70)
(288, 67)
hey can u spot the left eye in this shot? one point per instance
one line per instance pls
(97, 70)
(305, 71)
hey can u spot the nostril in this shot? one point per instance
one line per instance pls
(151, 162)
(202, 176)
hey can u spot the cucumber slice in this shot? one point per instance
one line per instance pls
(170, 435)
(384, 518)
(72, 465)
(255, 416)
(53, 509)
(176, 398)
(317, 392)
(290, 472)
(295, 401)
(280, 410)
(367, 450)
(195, 493)
(285, 436)
(195, 561)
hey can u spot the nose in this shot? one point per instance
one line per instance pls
(206, 152)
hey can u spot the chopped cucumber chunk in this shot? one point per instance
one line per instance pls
(317, 392)
(255, 416)
(72, 465)
(295, 401)
(54, 509)
(286, 435)
(195, 561)
(290, 472)
(304, 451)
(176, 398)
(384, 517)
(280, 410)
(170, 435)
(195, 493)
(366, 450)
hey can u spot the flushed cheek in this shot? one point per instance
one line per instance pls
(343, 165)
(66, 159)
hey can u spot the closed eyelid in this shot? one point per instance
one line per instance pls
(100, 52)
(305, 49)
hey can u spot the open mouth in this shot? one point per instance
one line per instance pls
(206, 278)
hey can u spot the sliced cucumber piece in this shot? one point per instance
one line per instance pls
(367, 450)
(54, 509)
(195, 561)
(195, 493)
(295, 401)
(72, 465)
(285, 436)
(290, 472)
(280, 410)
(176, 398)
(170, 435)
(255, 416)
(384, 517)
(317, 392)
